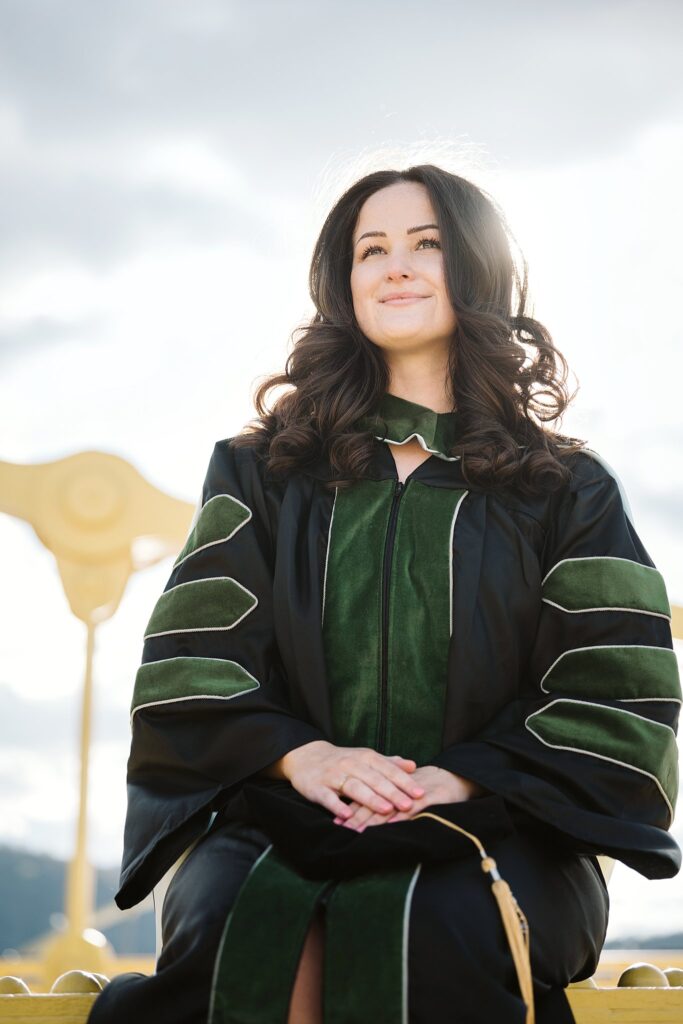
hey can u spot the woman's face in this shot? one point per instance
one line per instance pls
(398, 258)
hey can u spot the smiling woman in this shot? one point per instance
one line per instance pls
(399, 288)
(467, 338)
(408, 609)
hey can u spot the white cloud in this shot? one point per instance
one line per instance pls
(160, 168)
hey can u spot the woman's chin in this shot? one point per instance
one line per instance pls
(407, 338)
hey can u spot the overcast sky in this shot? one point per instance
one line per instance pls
(165, 167)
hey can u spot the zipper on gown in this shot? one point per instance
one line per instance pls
(386, 572)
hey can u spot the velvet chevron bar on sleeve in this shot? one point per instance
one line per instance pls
(596, 583)
(593, 585)
(219, 519)
(211, 704)
(591, 748)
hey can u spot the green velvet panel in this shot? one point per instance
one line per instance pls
(589, 584)
(261, 945)
(184, 678)
(352, 612)
(218, 603)
(419, 613)
(366, 934)
(616, 735)
(420, 620)
(218, 521)
(396, 419)
(620, 673)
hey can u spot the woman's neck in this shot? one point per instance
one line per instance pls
(434, 397)
(425, 382)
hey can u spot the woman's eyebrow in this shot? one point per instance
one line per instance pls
(383, 234)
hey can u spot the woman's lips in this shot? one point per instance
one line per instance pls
(404, 301)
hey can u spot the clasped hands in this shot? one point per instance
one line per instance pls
(380, 788)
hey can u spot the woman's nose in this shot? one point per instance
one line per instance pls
(399, 266)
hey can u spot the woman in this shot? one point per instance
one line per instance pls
(402, 594)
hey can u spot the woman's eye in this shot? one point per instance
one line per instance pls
(432, 241)
(371, 248)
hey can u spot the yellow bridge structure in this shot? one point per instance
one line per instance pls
(102, 521)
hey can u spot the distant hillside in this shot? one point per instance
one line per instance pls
(32, 892)
(674, 941)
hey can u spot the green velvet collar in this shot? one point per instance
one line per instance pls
(398, 420)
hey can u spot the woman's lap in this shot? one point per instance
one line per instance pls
(457, 948)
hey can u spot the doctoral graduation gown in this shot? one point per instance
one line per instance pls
(522, 642)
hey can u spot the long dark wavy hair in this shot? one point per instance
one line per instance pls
(506, 376)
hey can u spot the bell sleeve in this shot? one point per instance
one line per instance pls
(589, 746)
(210, 703)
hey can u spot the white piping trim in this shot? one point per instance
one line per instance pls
(598, 558)
(422, 443)
(592, 753)
(450, 563)
(197, 696)
(327, 555)
(611, 647)
(648, 700)
(580, 611)
(404, 951)
(194, 696)
(219, 954)
(205, 629)
(221, 540)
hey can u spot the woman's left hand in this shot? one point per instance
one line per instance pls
(440, 786)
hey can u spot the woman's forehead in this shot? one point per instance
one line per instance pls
(400, 207)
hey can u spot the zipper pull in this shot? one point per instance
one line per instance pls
(399, 487)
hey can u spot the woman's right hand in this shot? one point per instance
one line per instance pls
(322, 772)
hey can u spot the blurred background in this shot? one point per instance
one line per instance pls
(165, 166)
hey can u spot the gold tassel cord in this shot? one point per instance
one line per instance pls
(515, 923)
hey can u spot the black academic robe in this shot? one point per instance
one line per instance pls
(522, 642)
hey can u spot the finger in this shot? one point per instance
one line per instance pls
(406, 763)
(364, 794)
(389, 772)
(419, 805)
(329, 799)
(353, 806)
(400, 771)
(377, 819)
(366, 818)
(357, 821)
(382, 774)
(386, 788)
(362, 761)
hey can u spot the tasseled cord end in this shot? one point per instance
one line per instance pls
(517, 931)
(514, 921)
